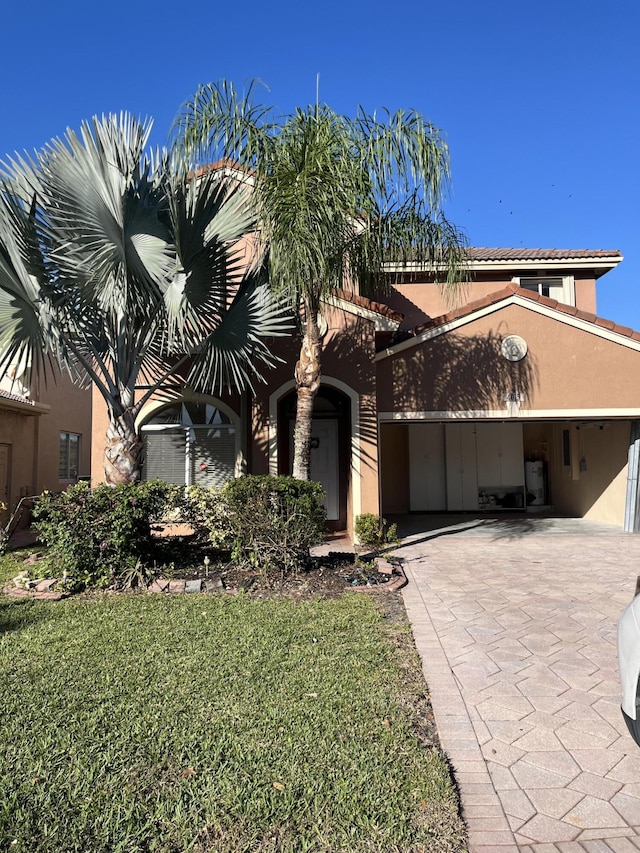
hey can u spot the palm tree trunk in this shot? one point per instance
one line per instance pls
(123, 450)
(307, 375)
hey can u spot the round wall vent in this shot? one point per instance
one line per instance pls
(514, 348)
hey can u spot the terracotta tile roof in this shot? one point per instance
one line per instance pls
(514, 289)
(225, 163)
(499, 254)
(16, 398)
(370, 305)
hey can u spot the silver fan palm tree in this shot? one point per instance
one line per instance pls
(338, 198)
(122, 271)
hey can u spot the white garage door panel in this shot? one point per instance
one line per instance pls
(427, 480)
(462, 478)
(500, 454)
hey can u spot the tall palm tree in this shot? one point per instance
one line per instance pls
(121, 270)
(337, 199)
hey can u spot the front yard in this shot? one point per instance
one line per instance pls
(215, 723)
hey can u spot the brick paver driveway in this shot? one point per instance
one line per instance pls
(515, 620)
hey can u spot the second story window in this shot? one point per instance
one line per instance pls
(560, 287)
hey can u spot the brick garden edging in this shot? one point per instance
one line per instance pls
(42, 590)
(45, 589)
(386, 568)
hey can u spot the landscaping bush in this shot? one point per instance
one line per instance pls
(373, 532)
(99, 536)
(205, 510)
(273, 521)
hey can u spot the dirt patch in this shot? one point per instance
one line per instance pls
(327, 576)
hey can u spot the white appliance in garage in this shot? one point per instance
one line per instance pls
(466, 467)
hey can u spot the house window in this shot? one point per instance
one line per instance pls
(560, 287)
(69, 457)
(189, 443)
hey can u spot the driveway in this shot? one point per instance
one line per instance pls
(515, 622)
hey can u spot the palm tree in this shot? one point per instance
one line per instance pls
(121, 270)
(337, 199)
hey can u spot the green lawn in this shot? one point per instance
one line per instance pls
(199, 723)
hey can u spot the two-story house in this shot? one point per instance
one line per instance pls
(519, 398)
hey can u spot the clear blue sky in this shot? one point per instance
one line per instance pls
(539, 100)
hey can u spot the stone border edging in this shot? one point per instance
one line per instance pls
(44, 590)
(393, 585)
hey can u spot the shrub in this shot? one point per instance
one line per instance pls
(273, 521)
(206, 511)
(372, 532)
(98, 536)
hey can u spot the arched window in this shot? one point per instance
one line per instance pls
(189, 443)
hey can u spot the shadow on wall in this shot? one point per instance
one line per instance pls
(347, 355)
(458, 373)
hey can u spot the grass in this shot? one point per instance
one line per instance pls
(195, 723)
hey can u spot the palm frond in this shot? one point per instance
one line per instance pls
(98, 187)
(209, 215)
(27, 328)
(220, 123)
(231, 354)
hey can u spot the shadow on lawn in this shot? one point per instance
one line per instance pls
(15, 615)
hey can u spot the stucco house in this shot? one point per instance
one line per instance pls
(45, 436)
(518, 398)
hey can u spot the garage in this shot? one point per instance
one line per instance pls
(466, 467)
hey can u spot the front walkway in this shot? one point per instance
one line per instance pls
(515, 621)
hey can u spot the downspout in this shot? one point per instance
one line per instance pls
(632, 504)
(35, 466)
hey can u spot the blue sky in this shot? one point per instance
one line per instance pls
(539, 101)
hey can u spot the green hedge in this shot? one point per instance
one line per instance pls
(104, 536)
(96, 536)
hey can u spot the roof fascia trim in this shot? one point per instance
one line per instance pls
(509, 415)
(31, 409)
(381, 323)
(605, 264)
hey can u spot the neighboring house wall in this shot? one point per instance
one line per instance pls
(18, 455)
(30, 436)
(70, 413)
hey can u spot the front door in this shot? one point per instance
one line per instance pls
(324, 461)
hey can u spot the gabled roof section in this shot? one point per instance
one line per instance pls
(512, 294)
(384, 318)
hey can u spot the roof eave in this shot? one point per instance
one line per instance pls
(24, 408)
(598, 264)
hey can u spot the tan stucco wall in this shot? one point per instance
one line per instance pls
(20, 433)
(565, 368)
(599, 492)
(70, 412)
(347, 358)
(33, 439)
